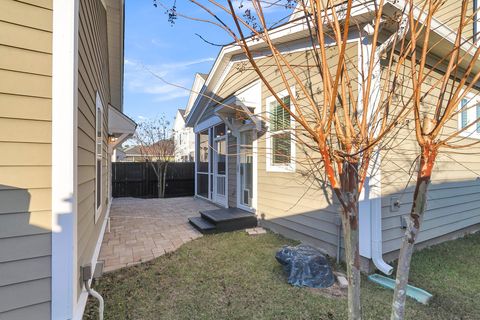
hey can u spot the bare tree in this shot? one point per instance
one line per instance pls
(437, 103)
(156, 147)
(343, 126)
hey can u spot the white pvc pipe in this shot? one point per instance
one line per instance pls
(97, 296)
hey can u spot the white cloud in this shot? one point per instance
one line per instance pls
(160, 44)
(139, 78)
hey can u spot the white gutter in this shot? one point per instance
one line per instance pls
(375, 181)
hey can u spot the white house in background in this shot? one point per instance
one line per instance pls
(184, 138)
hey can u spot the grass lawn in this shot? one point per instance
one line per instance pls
(236, 276)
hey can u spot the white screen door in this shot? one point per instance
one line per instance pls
(220, 170)
(245, 161)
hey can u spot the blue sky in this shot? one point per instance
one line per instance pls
(173, 52)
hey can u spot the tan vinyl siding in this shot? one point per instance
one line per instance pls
(450, 12)
(92, 78)
(25, 165)
(290, 202)
(454, 195)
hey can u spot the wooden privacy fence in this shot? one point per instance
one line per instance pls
(138, 179)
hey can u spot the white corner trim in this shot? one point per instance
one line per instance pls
(269, 166)
(82, 300)
(64, 158)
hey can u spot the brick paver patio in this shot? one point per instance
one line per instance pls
(143, 229)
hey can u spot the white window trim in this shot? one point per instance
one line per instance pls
(471, 116)
(291, 166)
(98, 208)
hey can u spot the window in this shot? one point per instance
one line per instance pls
(469, 112)
(280, 140)
(98, 157)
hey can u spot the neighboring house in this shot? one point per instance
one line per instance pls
(61, 84)
(183, 136)
(236, 167)
(118, 155)
(162, 150)
(184, 139)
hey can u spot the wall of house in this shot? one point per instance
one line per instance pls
(454, 195)
(292, 203)
(25, 164)
(93, 71)
(184, 140)
(298, 204)
(449, 13)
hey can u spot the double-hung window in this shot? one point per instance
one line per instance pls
(280, 134)
(98, 156)
(469, 112)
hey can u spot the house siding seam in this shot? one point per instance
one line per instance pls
(92, 78)
(25, 165)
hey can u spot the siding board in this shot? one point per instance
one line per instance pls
(26, 38)
(25, 270)
(25, 165)
(92, 78)
(32, 292)
(31, 108)
(25, 247)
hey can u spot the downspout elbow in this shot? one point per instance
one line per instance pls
(377, 251)
(378, 261)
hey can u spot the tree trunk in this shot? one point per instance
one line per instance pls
(352, 260)
(349, 199)
(413, 228)
(159, 173)
(164, 178)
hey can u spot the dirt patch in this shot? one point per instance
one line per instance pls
(333, 292)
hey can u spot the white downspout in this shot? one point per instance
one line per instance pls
(376, 216)
(375, 177)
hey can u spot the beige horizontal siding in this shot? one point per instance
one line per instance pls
(18, 36)
(92, 77)
(32, 108)
(453, 201)
(293, 200)
(25, 165)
